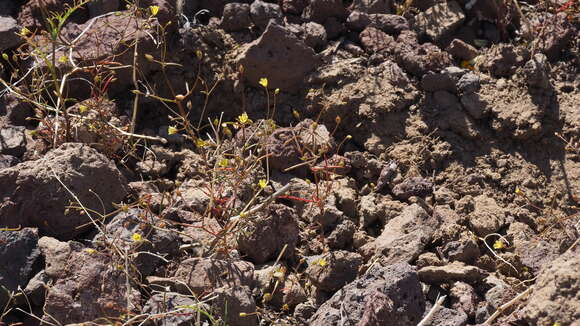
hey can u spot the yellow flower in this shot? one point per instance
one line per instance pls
(519, 192)
(83, 108)
(277, 91)
(267, 297)
(296, 114)
(24, 31)
(264, 82)
(498, 244)
(243, 314)
(171, 130)
(198, 54)
(224, 162)
(149, 57)
(243, 118)
(5, 56)
(321, 262)
(90, 251)
(62, 59)
(154, 10)
(136, 237)
(262, 183)
(200, 143)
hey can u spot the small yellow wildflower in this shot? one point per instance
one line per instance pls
(322, 262)
(154, 10)
(296, 114)
(90, 251)
(83, 108)
(198, 54)
(498, 244)
(243, 118)
(267, 297)
(262, 183)
(136, 237)
(24, 31)
(200, 143)
(5, 56)
(264, 82)
(171, 130)
(224, 162)
(62, 59)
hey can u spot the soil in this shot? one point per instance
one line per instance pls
(290, 162)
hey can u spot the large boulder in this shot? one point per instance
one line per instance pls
(35, 192)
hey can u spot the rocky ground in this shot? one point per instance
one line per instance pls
(291, 162)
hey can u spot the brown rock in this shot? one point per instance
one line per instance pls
(374, 40)
(440, 20)
(84, 285)
(31, 17)
(404, 237)
(230, 302)
(204, 275)
(418, 59)
(12, 140)
(332, 271)
(20, 248)
(558, 34)
(373, 6)
(463, 297)
(456, 271)
(293, 7)
(415, 186)
(503, 60)
(262, 12)
(320, 10)
(279, 56)
(397, 284)
(461, 50)
(488, 216)
(555, 297)
(34, 197)
(390, 24)
(236, 17)
(268, 233)
(9, 30)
